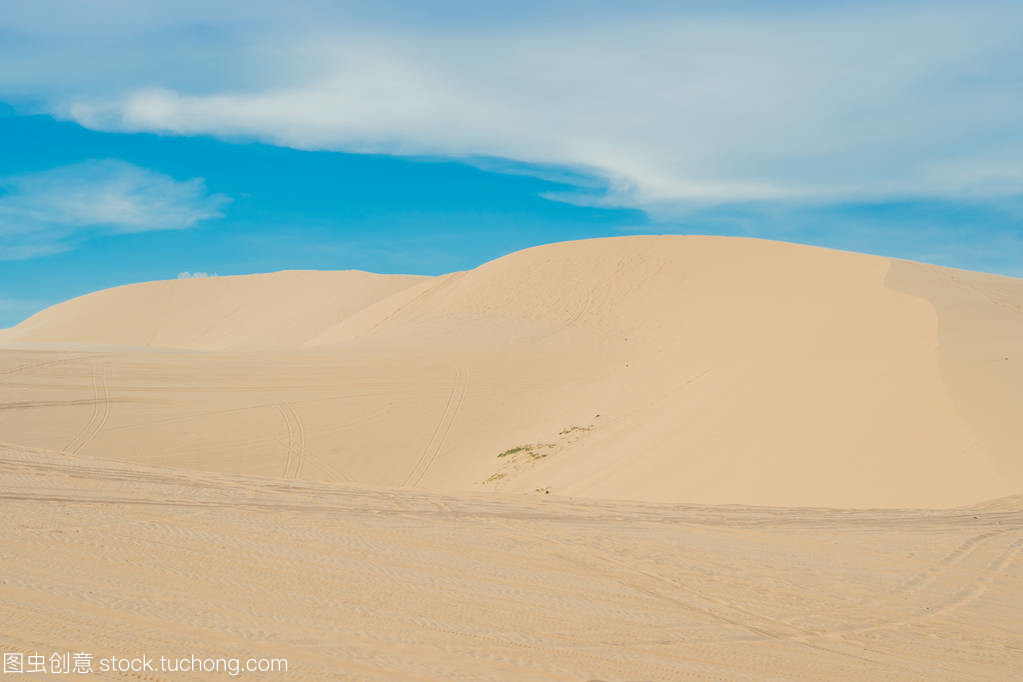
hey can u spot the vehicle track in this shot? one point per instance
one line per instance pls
(974, 589)
(100, 411)
(931, 574)
(970, 593)
(440, 433)
(20, 369)
(634, 577)
(294, 462)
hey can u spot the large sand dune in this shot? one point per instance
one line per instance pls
(695, 369)
(328, 467)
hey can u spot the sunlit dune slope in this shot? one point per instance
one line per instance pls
(699, 369)
(279, 310)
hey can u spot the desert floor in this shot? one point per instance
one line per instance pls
(358, 583)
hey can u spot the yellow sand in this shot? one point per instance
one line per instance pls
(527, 471)
(722, 370)
(385, 585)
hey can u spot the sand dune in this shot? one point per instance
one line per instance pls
(534, 470)
(254, 312)
(695, 369)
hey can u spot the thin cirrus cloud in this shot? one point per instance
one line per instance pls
(43, 213)
(672, 108)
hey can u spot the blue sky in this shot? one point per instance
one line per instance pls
(139, 140)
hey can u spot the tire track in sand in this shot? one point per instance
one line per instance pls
(980, 585)
(973, 590)
(11, 371)
(929, 575)
(100, 412)
(294, 460)
(298, 451)
(440, 432)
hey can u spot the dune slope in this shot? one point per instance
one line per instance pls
(698, 369)
(250, 312)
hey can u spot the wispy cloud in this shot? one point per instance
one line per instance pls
(674, 105)
(976, 235)
(195, 275)
(48, 212)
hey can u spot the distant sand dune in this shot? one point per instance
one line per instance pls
(675, 369)
(252, 312)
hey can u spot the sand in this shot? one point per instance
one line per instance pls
(530, 470)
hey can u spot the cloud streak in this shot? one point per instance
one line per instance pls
(672, 106)
(671, 109)
(47, 212)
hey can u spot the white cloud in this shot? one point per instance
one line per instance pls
(46, 212)
(195, 275)
(672, 108)
(671, 104)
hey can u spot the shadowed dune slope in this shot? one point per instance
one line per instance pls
(698, 369)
